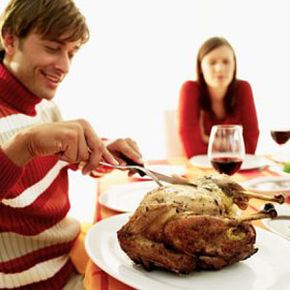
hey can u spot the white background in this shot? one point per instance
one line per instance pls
(141, 51)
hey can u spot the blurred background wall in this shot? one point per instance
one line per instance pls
(140, 52)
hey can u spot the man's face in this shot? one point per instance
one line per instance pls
(40, 64)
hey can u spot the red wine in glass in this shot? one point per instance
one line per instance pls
(226, 165)
(226, 148)
(280, 136)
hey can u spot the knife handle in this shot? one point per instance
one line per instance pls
(131, 162)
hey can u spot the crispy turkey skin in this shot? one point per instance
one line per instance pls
(185, 228)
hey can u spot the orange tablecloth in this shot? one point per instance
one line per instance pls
(95, 278)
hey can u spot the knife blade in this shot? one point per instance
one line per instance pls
(175, 179)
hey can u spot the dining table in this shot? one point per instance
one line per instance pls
(95, 277)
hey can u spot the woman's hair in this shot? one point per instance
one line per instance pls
(53, 19)
(229, 99)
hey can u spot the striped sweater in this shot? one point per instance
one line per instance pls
(35, 234)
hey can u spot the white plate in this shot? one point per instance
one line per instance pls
(268, 269)
(164, 169)
(250, 162)
(280, 227)
(268, 184)
(126, 197)
(281, 157)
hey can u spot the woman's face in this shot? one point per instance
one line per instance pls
(218, 67)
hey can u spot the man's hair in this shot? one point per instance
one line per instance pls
(52, 19)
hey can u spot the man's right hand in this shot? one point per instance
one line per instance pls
(71, 141)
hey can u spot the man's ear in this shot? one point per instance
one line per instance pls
(8, 42)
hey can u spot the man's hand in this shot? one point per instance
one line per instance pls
(72, 141)
(121, 149)
(127, 148)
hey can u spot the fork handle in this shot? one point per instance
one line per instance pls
(131, 162)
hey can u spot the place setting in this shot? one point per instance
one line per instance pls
(120, 246)
(250, 162)
(269, 184)
(275, 161)
(226, 152)
(275, 183)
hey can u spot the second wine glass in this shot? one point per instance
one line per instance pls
(281, 135)
(226, 148)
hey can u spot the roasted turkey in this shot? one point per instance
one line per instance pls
(185, 228)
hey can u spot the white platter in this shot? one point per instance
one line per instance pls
(250, 162)
(268, 184)
(126, 197)
(277, 226)
(281, 157)
(268, 269)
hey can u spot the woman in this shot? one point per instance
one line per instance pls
(216, 97)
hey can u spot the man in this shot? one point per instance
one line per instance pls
(38, 41)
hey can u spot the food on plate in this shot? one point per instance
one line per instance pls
(185, 228)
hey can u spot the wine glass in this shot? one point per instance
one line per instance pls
(226, 148)
(281, 137)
